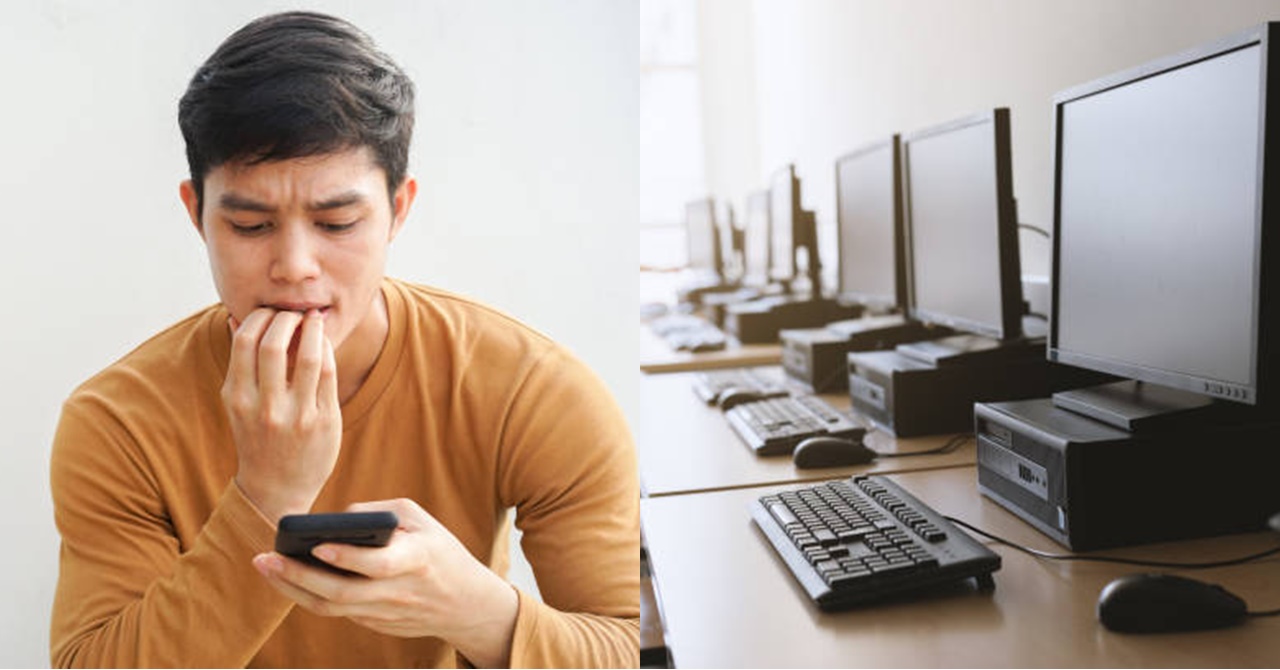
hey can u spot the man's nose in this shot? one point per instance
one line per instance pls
(294, 257)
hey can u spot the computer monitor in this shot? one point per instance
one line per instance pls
(1163, 231)
(962, 229)
(703, 238)
(872, 272)
(784, 201)
(757, 241)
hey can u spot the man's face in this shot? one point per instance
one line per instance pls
(299, 234)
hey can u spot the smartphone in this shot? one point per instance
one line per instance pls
(298, 534)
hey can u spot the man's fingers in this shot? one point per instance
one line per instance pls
(243, 365)
(327, 386)
(375, 562)
(273, 353)
(309, 359)
(319, 590)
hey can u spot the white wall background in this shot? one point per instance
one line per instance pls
(525, 150)
(821, 77)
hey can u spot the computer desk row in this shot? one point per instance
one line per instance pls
(728, 600)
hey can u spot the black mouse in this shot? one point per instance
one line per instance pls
(1156, 603)
(830, 452)
(732, 397)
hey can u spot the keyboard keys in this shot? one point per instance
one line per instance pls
(776, 425)
(857, 545)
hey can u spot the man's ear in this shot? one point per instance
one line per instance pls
(187, 191)
(401, 203)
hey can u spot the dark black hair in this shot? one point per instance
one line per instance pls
(296, 84)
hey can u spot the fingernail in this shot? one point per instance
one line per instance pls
(264, 564)
(325, 554)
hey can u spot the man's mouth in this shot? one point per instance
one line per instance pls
(299, 307)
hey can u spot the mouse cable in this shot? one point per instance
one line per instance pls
(1116, 559)
(947, 447)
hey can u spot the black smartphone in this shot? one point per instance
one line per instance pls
(298, 534)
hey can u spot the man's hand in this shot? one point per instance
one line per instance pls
(287, 427)
(424, 582)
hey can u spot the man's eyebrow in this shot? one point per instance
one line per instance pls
(338, 201)
(236, 202)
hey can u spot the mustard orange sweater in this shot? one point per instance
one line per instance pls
(466, 411)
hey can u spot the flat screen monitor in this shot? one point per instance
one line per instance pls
(1160, 220)
(756, 239)
(961, 226)
(869, 226)
(783, 203)
(703, 239)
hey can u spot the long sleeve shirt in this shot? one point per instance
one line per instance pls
(466, 411)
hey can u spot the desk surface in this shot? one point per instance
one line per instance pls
(656, 356)
(685, 446)
(728, 600)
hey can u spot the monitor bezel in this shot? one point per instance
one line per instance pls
(1265, 309)
(716, 251)
(794, 184)
(875, 300)
(1011, 307)
(752, 200)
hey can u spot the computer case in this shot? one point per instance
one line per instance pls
(1091, 486)
(817, 357)
(759, 321)
(910, 397)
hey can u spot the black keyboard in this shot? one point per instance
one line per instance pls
(776, 425)
(709, 385)
(862, 539)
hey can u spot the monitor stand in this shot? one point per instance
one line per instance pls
(1139, 407)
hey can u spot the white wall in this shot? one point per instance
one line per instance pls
(831, 75)
(525, 150)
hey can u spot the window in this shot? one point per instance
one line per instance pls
(672, 169)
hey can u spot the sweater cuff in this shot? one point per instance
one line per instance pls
(524, 640)
(252, 525)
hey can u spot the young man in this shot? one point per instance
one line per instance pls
(319, 384)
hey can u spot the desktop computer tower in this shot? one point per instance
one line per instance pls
(910, 398)
(818, 356)
(759, 321)
(1090, 486)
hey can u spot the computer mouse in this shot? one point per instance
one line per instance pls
(733, 396)
(830, 452)
(1157, 603)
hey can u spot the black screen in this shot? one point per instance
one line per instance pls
(867, 223)
(700, 227)
(960, 232)
(782, 224)
(1157, 232)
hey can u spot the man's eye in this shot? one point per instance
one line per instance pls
(250, 228)
(336, 227)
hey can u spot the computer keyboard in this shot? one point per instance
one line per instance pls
(685, 332)
(710, 384)
(862, 539)
(776, 425)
